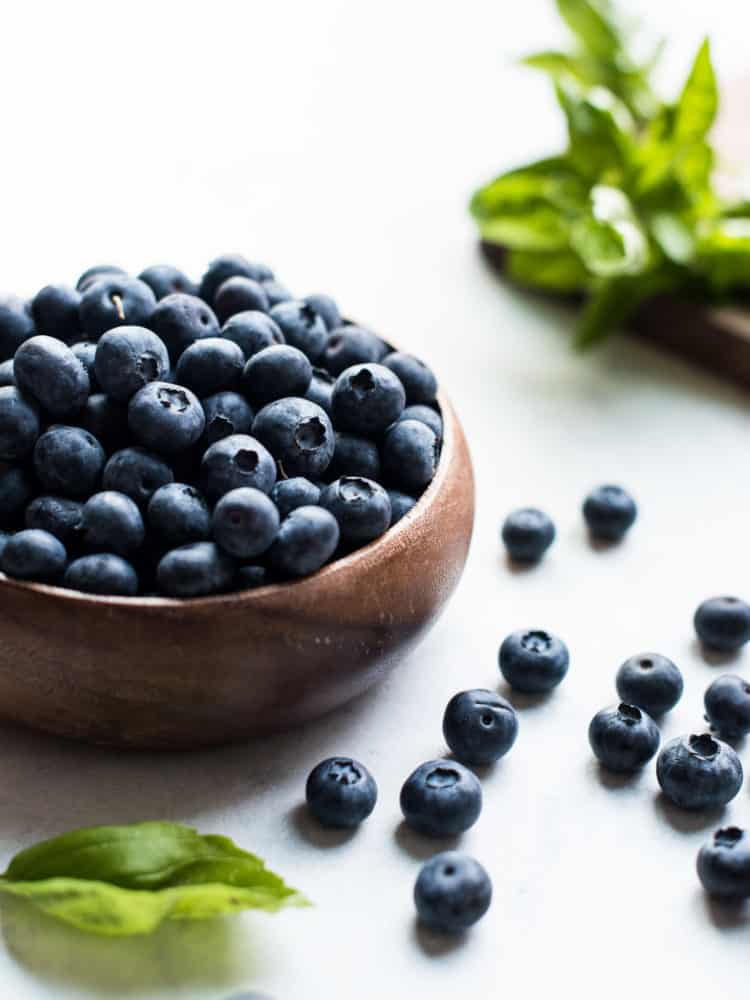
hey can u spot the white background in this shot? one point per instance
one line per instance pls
(340, 142)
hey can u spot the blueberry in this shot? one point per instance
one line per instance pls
(251, 332)
(724, 864)
(276, 372)
(419, 382)
(326, 308)
(320, 390)
(723, 623)
(527, 534)
(452, 892)
(289, 494)
(275, 293)
(49, 371)
(19, 424)
(442, 798)
(59, 516)
(239, 294)
(210, 366)
(650, 681)
(699, 772)
(251, 577)
(4, 537)
(340, 792)
(102, 573)
(129, 358)
(195, 570)
(177, 514)
(298, 434)
(410, 456)
(226, 413)
(164, 280)
(137, 473)
(361, 507)
(351, 345)
(245, 522)
(85, 351)
(166, 417)
(401, 504)
(7, 375)
(15, 491)
(302, 328)
(69, 461)
(426, 414)
(367, 399)
(16, 325)
(54, 310)
(533, 661)
(623, 737)
(609, 511)
(180, 320)
(234, 461)
(479, 726)
(227, 266)
(34, 555)
(96, 273)
(111, 522)
(727, 702)
(113, 301)
(354, 456)
(306, 540)
(107, 420)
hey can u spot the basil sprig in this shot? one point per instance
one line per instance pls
(629, 209)
(125, 880)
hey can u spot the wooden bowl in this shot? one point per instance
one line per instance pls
(162, 673)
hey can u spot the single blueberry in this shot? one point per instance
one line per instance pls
(418, 411)
(195, 570)
(166, 418)
(127, 359)
(34, 555)
(245, 522)
(7, 374)
(137, 473)
(54, 310)
(367, 399)
(441, 798)
(354, 456)
(289, 494)
(410, 456)
(276, 292)
(19, 424)
(401, 504)
(235, 461)
(15, 492)
(102, 573)
(85, 351)
(727, 702)
(320, 390)
(251, 332)
(306, 540)
(59, 516)
(107, 420)
(452, 892)
(113, 301)
(251, 577)
(96, 273)
(298, 434)
(211, 365)
(723, 623)
(419, 382)
(650, 681)
(49, 372)
(226, 413)
(351, 345)
(623, 737)
(177, 514)
(479, 726)
(361, 507)
(16, 325)
(302, 327)
(724, 864)
(326, 308)
(699, 772)
(111, 522)
(239, 294)
(341, 792)
(527, 533)
(533, 661)
(69, 461)
(276, 372)
(180, 320)
(164, 280)
(227, 266)
(609, 512)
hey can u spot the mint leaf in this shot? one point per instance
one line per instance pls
(724, 254)
(598, 131)
(560, 272)
(592, 22)
(609, 239)
(699, 101)
(614, 300)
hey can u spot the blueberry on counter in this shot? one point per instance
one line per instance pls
(7, 374)
(401, 504)
(226, 413)
(361, 506)
(609, 512)
(234, 461)
(623, 737)
(107, 420)
(724, 864)
(127, 359)
(114, 300)
(34, 555)
(54, 310)
(298, 434)
(195, 570)
(211, 365)
(96, 273)
(137, 473)
(15, 492)
(354, 456)
(16, 325)
(419, 411)
(320, 390)
(19, 424)
(164, 280)
(69, 461)
(650, 681)
(452, 892)
(441, 798)
(102, 573)
(340, 792)
(252, 331)
(367, 399)
(305, 542)
(275, 372)
(527, 533)
(699, 772)
(48, 371)
(326, 308)
(302, 327)
(533, 661)
(479, 726)
(289, 494)
(723, 623)
(727, 702)
(275, 292)
(419, 382)
(112, 522)
(410, 456)
(245, 522)
(227, 266)
(177, 514)
(351, 345)
(179, 320)
(59, 516)
(166, 418)
(239, 294)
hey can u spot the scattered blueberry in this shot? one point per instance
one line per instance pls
(351, 345)
(34, 555)
(727, 702)
(320, 390)
(533, 661)
(367, 399)
(54, 310)
(723, 623)
(102, 573)
(226, 413)
(354, 456)
(452, 892)
(69, 461)
(276, 372)
(19, 424)
(724, 864)
(227, 266)
(179, 320)
(623, 737)
(177, 514)
(418, 411)
(114, 300)
(361, 507)
(306, 540)
(299, 435)
(302, 327)
(164, 280)
(59, 516)
(699, 772)
(234, 461)
(112, 522)
(410, 456)
(609, 512)
(340, 792)
(401, 504)
(441, 798)
(326, 308)
(650, 681)
(527, 534)
(16, 325)
(137, 473)
(289, 494)
(127, 359)
(195, 570)
(15, 492)
(245, 522)
(166, 418)
(96, 273)
(239, 294)
(419, 382)
(49, 372)
(210, 366)
(251, 332)
(479, 726)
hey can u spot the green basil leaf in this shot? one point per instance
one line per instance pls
(599, 131)
(610, 239)
(699, 101)
(724, 254)
(592, 22)
(560, 272)
(553, 181)
(541, 228)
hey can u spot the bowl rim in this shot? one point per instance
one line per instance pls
(364, 554)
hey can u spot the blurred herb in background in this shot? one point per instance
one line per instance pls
(629, 209)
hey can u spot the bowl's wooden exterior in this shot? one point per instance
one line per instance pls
(163, 673)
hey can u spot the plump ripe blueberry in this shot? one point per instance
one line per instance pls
(195, 570)
(419, 382)
(251, 332)
(111, 522)
(226, 413)
(727, 702)
(276, 372)
(276, 292)
(59, 516)
(699, 772)
(609, 511)
(623, 737)
(452, 892)
(137, 473)
(15, 492)
(302, 328)
(16, 325)
(239, 294)
(7, 375)
(367, 399)
(180, 320)
(54, 310)
(49, 372)
(166, 418)
(85, 351)
(227, 266)
(107, 420)
(250, 577)
(354, 456)
(320, 390)
(96, 273)
(210, 366)
(245, 522)
(479, 726)
(102, 573)
(426, 415)
(34, 555)
(289, 494)
(723, 623)
(361, 506)
(724, 864)
(533, 661)
(115, 301)
(298, 434)
(164, 280)
(235, 461)
(127, 359)
(410, 456)
(19, 424)
(306, 540)
(340, 792)
(69, 461)
(401, 504)
(442, 798)
(351, 345)
(177, 514)
(326, 308)
(527, 534)
(650, 681)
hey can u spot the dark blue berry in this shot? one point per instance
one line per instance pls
(351, 345)
(226, 413)
(49, 372)
(452, 892)
(326, 308)
(137, 473)
(15, 492)
(609, 511)
(4, 536)
(298, 434)
(276, 292)
(289, 494)
(527, 534)
(54, 310)
(727, 702)
(235, 461)
(419, 382)
(34, 555)
(210, 366)
(650, 681)
(724, 864)
(302, 328)
(107, 420)
(276, 372)
(111, 522)
(320, 390)
(69, 461)
(16, 325)
(239, 294)
(340, 792)
(401, 504)
(166, 418)
(245, 522)
(442, 798)
(227, 266)
(723, 623)
(699, 772)
(367, 399)
(361, 507)
(426, 414)
(409, 456)
(177, 514)
(354, 456)
(164, 280)
(623, 737)
(59, 516)
(7, 375)
(251, 332)
(180, 320)
(251, 577)
(127, 359)
(113, 301)
(479, 726)
(533, 661)
(19, 424)
(102, 573)
(96, 273)
(195, 570)
(85, 351)
(306, 540)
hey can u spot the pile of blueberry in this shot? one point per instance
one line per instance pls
(158, 436)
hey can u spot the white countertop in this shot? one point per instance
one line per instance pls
(340, 141)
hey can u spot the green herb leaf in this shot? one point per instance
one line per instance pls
(614, 300)
(561, 272)
(592, 22)
(599, 127)
(724, 254)
(560, 64)
(699, 101)
(127, 879)
(609, 239)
